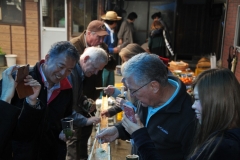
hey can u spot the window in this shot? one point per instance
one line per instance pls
(11, 11)
(237, 30)
(83, 12)
(53, 13)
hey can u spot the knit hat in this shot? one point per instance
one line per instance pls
(111, 16)
(98, 27)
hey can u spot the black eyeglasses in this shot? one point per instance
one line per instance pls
(132, 93)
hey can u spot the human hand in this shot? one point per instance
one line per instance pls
(8, 84)
(62, 136)
(108, 134)
(29, 81)
(129, 126)
(123, 45)
(105, 113)
(93, 120)
(120, 101)
(120, 41)
(109, 90)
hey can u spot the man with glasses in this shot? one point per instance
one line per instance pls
(92, 37)
(165, 107)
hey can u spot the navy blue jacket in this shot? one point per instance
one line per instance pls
(171, 128)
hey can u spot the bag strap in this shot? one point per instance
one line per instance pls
(167, 44)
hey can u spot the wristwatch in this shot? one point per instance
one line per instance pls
(36, 106)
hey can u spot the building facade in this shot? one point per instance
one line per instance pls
(29, 27)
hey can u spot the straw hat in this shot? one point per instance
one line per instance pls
(111, 16)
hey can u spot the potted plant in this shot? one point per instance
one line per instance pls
(2, 58)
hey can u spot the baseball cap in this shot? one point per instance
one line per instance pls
(98, 27)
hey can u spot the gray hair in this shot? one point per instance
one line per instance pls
(144, 68)
(96, 54)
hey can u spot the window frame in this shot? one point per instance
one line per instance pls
(237, 28)
(13, 23)
(75, 34)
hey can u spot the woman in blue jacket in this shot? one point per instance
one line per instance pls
(217, 108)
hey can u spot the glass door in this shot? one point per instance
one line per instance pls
(53, 23)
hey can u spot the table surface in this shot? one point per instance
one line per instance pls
(116, 151)
(101, 125)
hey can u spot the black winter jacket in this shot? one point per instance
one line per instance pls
(171, 128)
(38, 138)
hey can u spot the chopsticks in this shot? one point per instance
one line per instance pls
(99, 88)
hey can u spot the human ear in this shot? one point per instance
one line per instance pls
(86, 58)
(155, 86)
(47, 57)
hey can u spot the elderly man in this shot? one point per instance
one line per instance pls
(165, 107)
(93, 36)
(39, 139)
(91, 62)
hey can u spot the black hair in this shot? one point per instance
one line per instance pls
(64, 47)
(109, 22)
(132, 16)
(157, 14)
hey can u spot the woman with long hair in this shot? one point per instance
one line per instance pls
(217, 108)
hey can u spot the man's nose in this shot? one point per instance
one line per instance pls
(63, 72)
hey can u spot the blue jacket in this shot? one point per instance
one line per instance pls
(107, 40)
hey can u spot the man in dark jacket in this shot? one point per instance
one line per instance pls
(38, 139)
(91, 62)
(165, 107)
(93, 36)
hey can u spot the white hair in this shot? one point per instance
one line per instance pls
(96, 54)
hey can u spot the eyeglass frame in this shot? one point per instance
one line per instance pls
(132, 93)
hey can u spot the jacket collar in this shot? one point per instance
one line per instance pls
(175, 106)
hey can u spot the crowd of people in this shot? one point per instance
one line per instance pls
(171, 124)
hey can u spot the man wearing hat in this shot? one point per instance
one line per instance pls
(93, 36)
(110, 20)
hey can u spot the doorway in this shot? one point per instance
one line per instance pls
(53, 23)
(144, 21)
